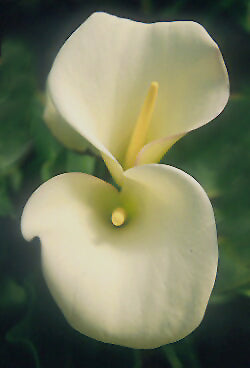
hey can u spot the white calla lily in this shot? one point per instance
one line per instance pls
(142, 285)
(135, 267)
(100, 78)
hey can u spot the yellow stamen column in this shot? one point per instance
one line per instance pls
(118, 216)
(139, 135)
(137, 141)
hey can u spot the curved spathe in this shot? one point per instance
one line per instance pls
(142, 285)
(101, 75)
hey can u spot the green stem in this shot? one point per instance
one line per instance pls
(172, 357)
(138, 360)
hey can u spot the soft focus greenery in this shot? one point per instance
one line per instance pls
(33, 332)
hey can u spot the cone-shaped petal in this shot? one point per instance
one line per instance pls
(101, 76)
(143, 284)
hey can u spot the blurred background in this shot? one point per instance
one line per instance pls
(33, 332)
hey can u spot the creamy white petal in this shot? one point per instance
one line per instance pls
(101, 76)
(142, 285)
(61, 129)
(154, 151)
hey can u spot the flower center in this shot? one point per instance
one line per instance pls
(139, 134)
(119, 216)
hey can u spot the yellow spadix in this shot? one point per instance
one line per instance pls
(119, 216)
(139, 135)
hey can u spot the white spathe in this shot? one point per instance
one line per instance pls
(101, 76)
(142, 285)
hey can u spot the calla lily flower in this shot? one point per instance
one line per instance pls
(101, 78)
(133, 267)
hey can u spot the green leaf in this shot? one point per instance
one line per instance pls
(233, 273)
(13, 296)
(80, 163)
(20, 333)
(17, 86)
(49, 152)
(6, 205)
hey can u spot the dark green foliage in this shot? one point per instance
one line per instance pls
(33, 332)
